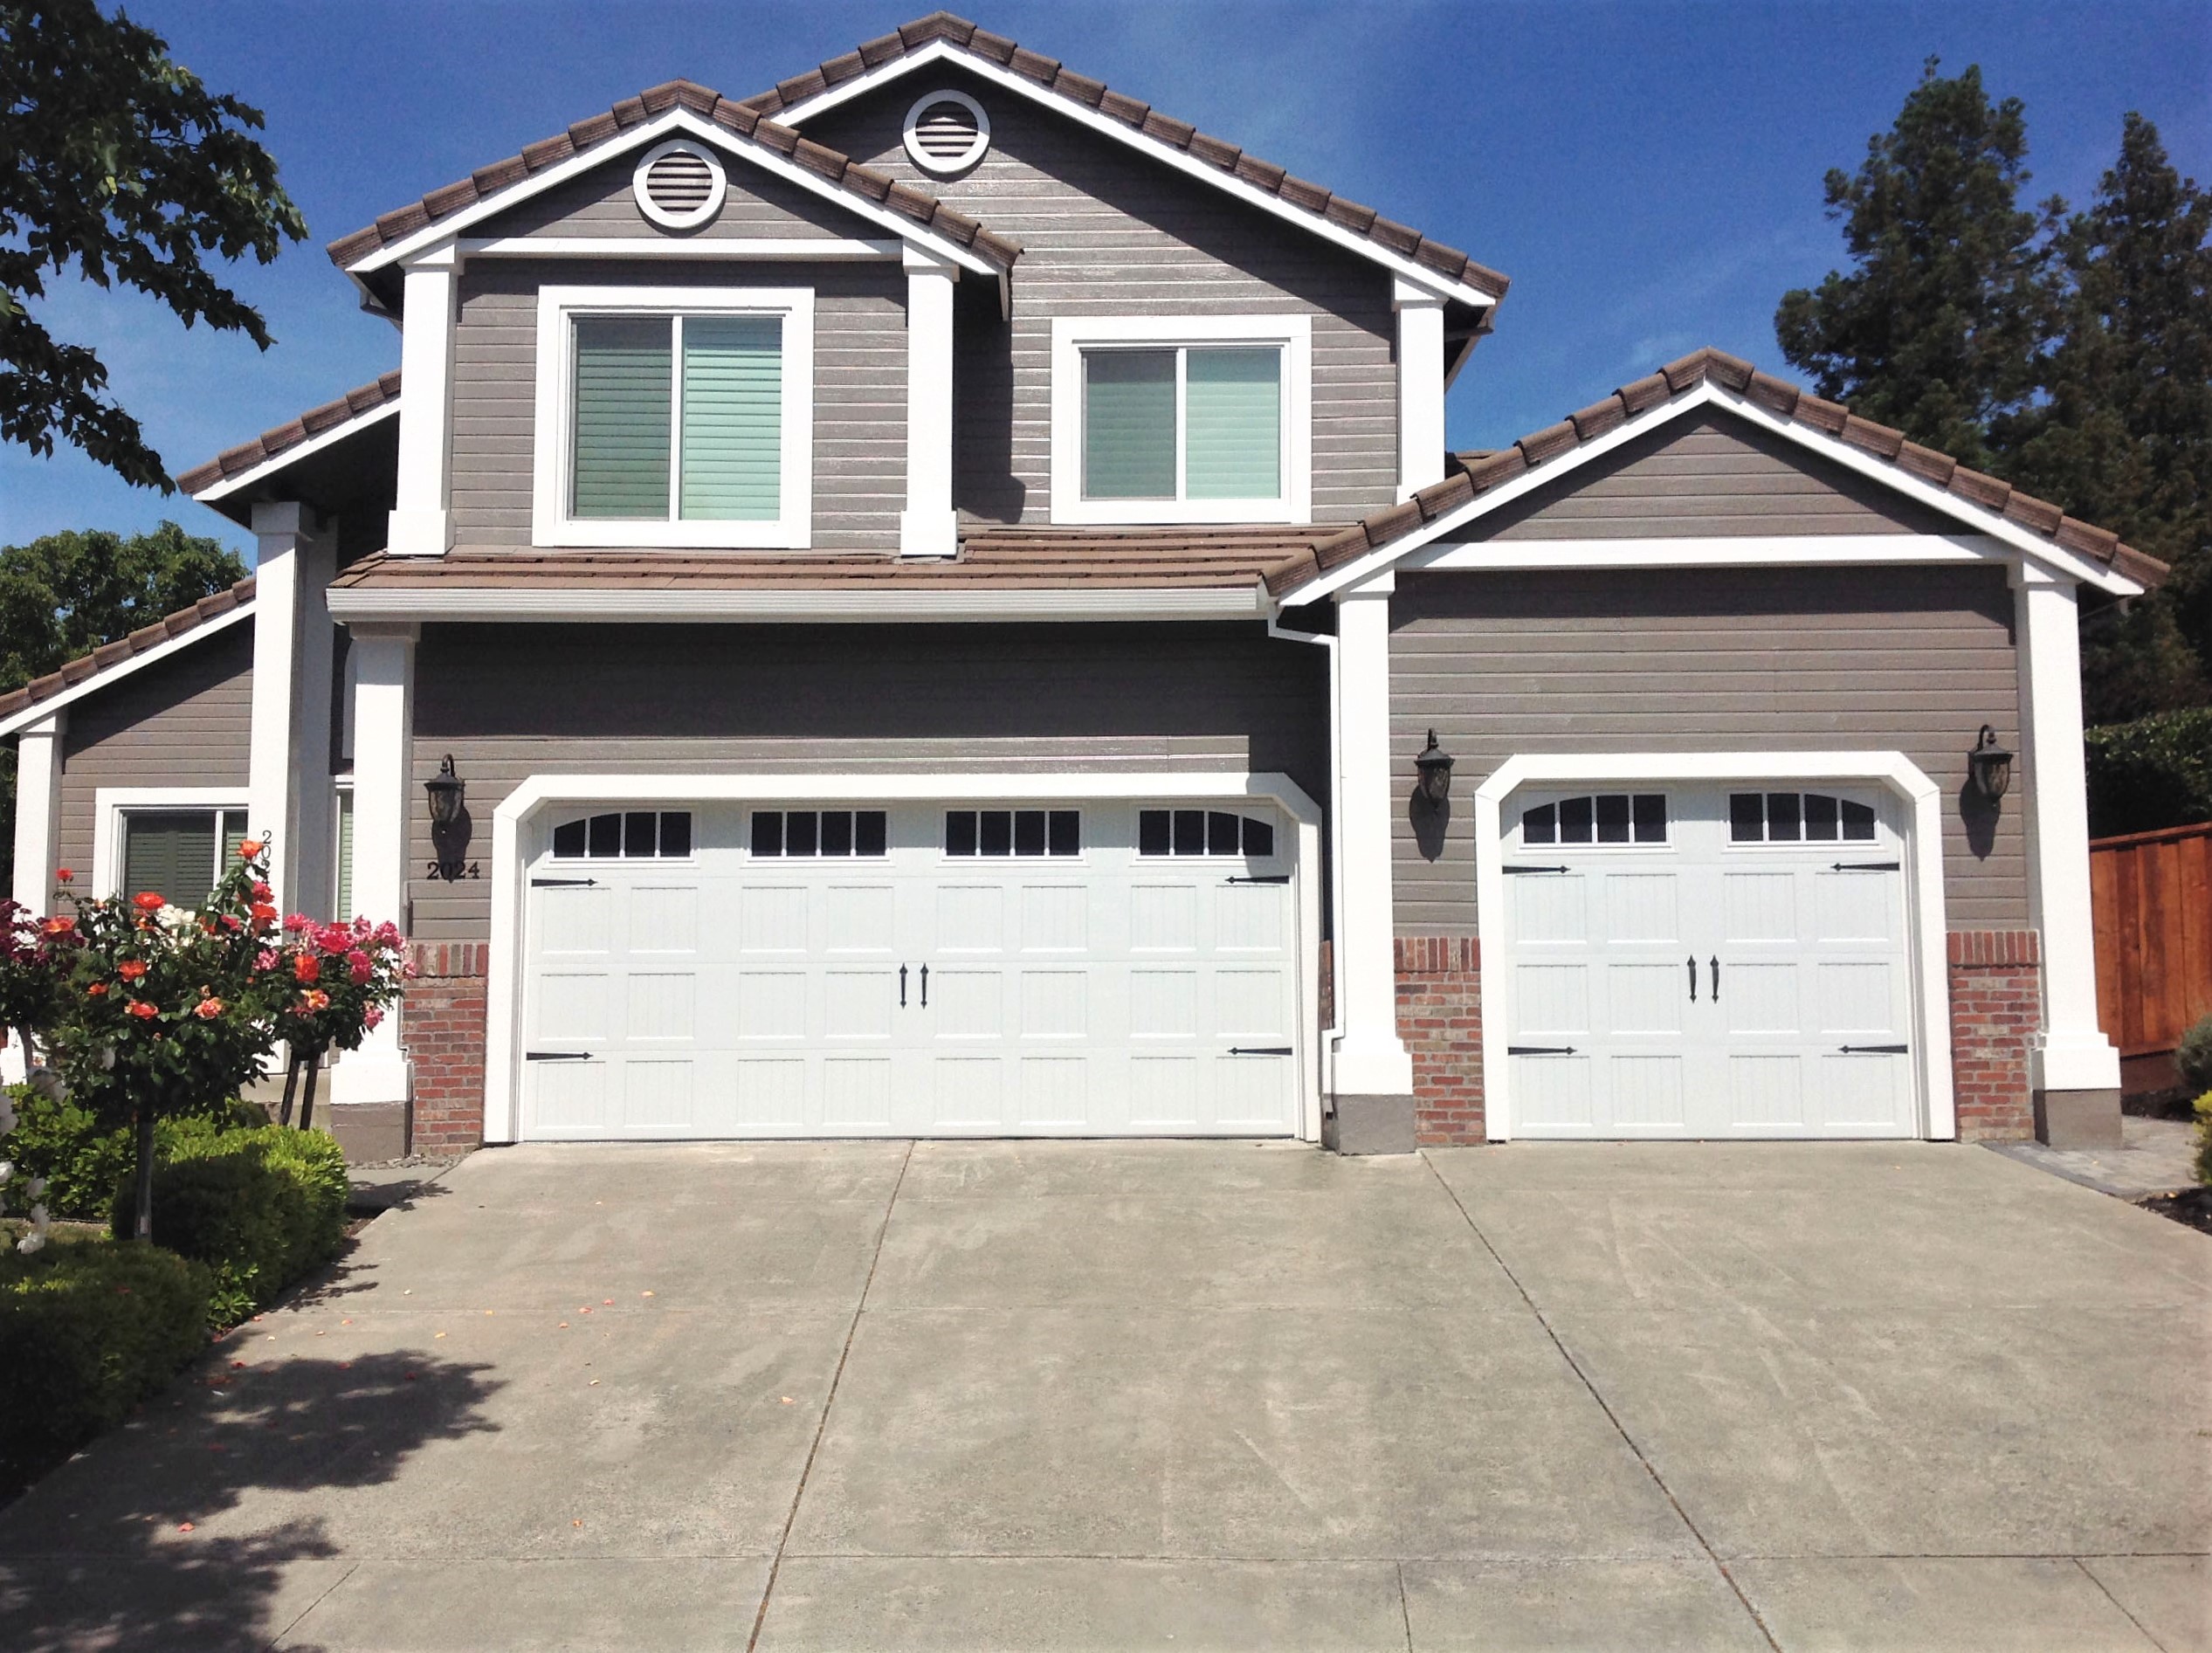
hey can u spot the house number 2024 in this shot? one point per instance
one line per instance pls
(453, 871)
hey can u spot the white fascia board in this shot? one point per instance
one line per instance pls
(312, 446)
(110, 675)
(447, 231)
(940, 52)
(503, 979)
(1712, 552)
(721, 249)
(1923, 803)
(1979, 519)
(858, 607)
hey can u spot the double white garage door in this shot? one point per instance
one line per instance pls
(1094, 969)
(1713, 961)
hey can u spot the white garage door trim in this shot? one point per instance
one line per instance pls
(502, 1078)
(1923, 903)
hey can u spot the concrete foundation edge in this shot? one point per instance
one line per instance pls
(1369, 1125)
(2078, 1119)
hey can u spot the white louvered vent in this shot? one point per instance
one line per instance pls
(947, 132)
(679, 186)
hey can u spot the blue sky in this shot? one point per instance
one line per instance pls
(1649, 174)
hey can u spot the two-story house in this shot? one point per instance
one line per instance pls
(934, 600)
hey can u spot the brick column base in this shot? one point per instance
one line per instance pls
(1440, 1020)
(1997, 1010)
(441, 1028)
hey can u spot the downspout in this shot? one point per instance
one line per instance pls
(1334, 1031)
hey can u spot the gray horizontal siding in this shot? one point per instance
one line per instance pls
(1105, 231)
(859, 390)
(599, 202)
(1908, 659)
(509, 702)
(185, 721)
(1708, 474)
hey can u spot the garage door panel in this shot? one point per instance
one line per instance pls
(1860, 997)
(1552, 999)
(1163, 1092)
(656, 1093)
(573, 921)
(1554, 1091)
(771, 1005)
(1640, 907)
(971, 918)
(661, 1005)
(1054, 1090)
(1857, 906)
(1549, 907)
(572, 1097)
(1864, 1090)
(1761, 998)
(1759, 907)
(663, 918)
(1056, 1004)
(968, 1091)
(1247, 1088)
(772, 918)
(1163, 1004)
(857, 1003)
(859, 918)
(1248, 918)
(1766, 1092)
(1644, 999)
(1163, 918)
(856, 1092)
(771, 1091)
(967, 1003)
(1056, 918)
(1646, 1092)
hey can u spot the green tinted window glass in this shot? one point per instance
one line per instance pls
(344, 909)
(1233, 423)
(170, 852)
(733, 461)
(1129, 425)
(625, 375)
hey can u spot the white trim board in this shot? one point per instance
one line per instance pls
(1979, 520)
(503, 983)
(1842, 550)
(864, 606)
(1924, 892)
(299, 451)
(720, 249)
(447, 231)
(943, 51)
(112, 803)
(108, 675)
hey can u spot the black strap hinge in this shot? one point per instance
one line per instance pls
(1539, 1050)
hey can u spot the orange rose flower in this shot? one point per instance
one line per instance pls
(146, 901)
(305, 967)
(140, 1009)
(314, 999)
(248, 848)
(58, 926)
(97, 990)
(131, 970)
(63, 875)
(208, 1010)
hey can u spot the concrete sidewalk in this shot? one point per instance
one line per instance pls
(1082, 1395)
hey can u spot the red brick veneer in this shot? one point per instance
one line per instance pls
(1440, 1020)
(441, 1028)
(1997, 1010)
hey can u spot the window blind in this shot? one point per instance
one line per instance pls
(170, 852)
(343, 909)
(732, 453)
(1233, 425)
(624, 380)
(1129, 425)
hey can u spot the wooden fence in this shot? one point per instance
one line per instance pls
(2151, 893)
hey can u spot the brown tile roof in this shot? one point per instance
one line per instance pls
(1449, 262)
(1479, 473)
(1037, 559)
(878, 188)
(111, 655)
(314, 423)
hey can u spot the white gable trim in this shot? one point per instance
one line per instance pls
(297, 451)
(2019, 544)
(109, 675)
(450, 229)
(944, 51)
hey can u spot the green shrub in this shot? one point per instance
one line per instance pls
(86, 1331)
(2155, 772)
(2193, 1057)
(2204, 1139)
(261, 1207)
(83, 1163)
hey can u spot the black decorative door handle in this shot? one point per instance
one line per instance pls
(925, 987)
(902, 987)
(1693, 978)
(1716, 978)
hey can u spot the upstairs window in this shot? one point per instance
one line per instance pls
(1201, 419)
(674, 417)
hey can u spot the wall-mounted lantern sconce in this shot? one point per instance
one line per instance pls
(1435, 766)
(1989, 766)
(445, 790)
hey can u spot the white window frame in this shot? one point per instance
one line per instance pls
(1072, 335)
(112, 806)
(552, 445)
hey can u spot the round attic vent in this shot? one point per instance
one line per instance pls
(679, 185)
(947, 132)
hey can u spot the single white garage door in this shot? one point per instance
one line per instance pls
(1707, 961)
(1095, 969)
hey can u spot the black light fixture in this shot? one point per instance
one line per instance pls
(1434, 766)
(1989, 766)
(445, 789)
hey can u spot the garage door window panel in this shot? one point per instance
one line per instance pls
(1798, 817)
(1022, 834)
(1599, 818)
(1204, 832)
(810, 834)
(633, 834)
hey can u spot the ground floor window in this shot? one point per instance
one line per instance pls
(178, 854)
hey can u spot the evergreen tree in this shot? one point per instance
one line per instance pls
(1941, 327)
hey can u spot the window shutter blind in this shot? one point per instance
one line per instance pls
(624, 384)
(171, 853)
(233, 836)
(344, 907)
(1233, 415)
(733, 460)
(1129, 425)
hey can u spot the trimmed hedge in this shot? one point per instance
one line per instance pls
(85, 1164)
(261, 1207)
(87, 1332)
(2192, 1056)
(2155, 772)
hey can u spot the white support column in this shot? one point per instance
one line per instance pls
(422, 523)
(1421, 436)
(928, 527)
(2073, 1053)
(288, 765)
(38, 811)
(383, 765)
(1370, 1059)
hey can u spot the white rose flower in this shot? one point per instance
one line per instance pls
(7, 1170)
(31, 1243)
(36, 1188)
(174, 918)
(48, 1084)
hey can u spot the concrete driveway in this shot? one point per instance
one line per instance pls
(1179, 1396)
